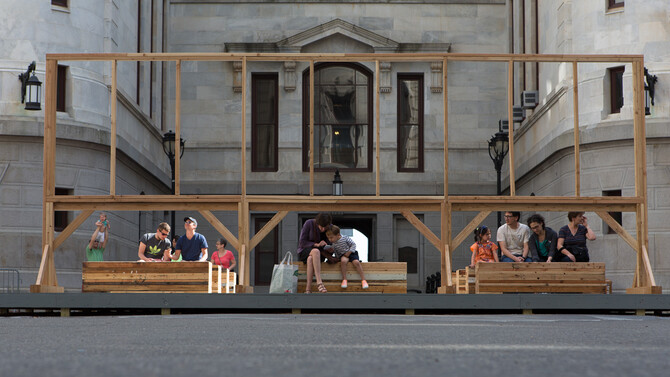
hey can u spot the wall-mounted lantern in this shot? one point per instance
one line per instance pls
(337, 183)
(31, 86)
(649, 84)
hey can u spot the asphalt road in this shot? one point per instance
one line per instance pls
(335, 345)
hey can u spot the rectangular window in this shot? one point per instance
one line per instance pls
(410, 123)
(62, 218)
(264, 121)
(615, 215)
(60, 3)
(616, 89)
(60, 88)
(614, 4)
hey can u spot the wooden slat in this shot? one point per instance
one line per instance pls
(423, 229)
(382, 277)
(71, 227)
(575, 115)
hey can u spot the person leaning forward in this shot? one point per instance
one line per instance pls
(155, 247)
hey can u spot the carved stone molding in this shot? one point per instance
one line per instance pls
(436, 77)
(290, 78)
(384, 77)
(237, 77)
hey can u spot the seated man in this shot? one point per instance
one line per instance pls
(513, 238)
(192, 246)
(155, 247)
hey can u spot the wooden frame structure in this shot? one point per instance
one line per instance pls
(445, 243)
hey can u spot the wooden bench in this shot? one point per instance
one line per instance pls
(382, 277)
(541, 277)
(183, 277)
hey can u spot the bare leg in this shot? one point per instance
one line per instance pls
(359, 268)
(315, 254)
(343, 267)
(310, 274)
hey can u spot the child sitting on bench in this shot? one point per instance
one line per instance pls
(345, 250)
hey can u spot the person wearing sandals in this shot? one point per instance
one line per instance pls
(311, 250)
(345, 250)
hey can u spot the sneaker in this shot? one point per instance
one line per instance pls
(365, 284)
(344, 283)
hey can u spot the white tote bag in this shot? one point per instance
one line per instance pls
(284, 276)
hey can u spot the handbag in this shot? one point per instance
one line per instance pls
(284, 276)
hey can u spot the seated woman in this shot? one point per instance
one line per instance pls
(542, 242)
(223, 257)
(571, 244)
(311, 251)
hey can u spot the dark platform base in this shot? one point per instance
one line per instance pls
(166, 303)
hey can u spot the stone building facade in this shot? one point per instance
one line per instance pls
(411, 139)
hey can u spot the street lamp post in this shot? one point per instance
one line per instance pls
(169, 149)
(498, 148)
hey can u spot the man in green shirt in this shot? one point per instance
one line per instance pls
(95, 248)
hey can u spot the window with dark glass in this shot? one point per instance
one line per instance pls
(410, 122)
(60, 88)
(264, 120)
(62, 218)
(613, 4)
(616, 89)
(60, 3)
(342, 117)
(615, 215)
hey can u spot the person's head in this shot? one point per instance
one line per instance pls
(163, 231)
(575, 217)
(221, 243)
(190, 223)
(103, 216)
(536, 223)
(482, 233)
(512, 217)
(323, 221)
(333, 233)
(174, 239)
(96, 244)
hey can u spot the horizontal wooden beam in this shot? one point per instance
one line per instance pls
(333, 57)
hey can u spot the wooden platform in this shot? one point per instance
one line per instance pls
(541, 278)
(382, 277)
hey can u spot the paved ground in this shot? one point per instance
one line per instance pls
(336, 345)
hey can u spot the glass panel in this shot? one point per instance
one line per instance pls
(361, 104)
(409, 101)
(342, 146)
(265, 101)
(361, 79)
(337, 104)
(265, 151)
(409, 148)
(336, 75)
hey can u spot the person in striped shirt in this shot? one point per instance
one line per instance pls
(345, 250)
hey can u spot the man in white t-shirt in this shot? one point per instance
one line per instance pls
(513, 239)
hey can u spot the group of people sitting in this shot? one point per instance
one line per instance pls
(157, 247)
(534, 242)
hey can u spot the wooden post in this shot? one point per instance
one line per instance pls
(112, 132)
(510, 122)
(640, 169)
(445, 126)
(243, 146)
(575, 104)
(377, 131)
(310, 154)
(177, 130)
(46, 279)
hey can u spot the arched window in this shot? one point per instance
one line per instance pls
(342, 117)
